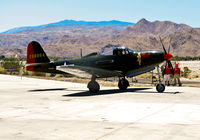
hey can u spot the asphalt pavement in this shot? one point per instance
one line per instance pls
(40, 109)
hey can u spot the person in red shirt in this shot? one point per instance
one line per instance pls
(177, 73)
(167, 75)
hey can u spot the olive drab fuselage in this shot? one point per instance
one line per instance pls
(115, 62)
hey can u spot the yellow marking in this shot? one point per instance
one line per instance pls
(39, 55)
(139, 58)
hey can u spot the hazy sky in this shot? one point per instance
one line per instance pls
(17, 13)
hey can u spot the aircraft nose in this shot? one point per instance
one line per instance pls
(168, 56)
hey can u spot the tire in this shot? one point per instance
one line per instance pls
(93, 86)
(123, 84)
(160, 88)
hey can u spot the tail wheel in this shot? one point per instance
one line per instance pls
(160, 88)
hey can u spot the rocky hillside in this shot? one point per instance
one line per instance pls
(67, 41)
(144, 27)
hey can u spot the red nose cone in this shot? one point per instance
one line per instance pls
(168, 56)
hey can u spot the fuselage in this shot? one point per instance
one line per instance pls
(124, 62)
(121, 59)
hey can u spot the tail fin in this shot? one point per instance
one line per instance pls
(35, 53)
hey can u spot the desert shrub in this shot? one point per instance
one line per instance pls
(2, 70)
(193, 76)
(2, 57)
(11, 65)
(186, 72)
(185, 58)
(145, 75)
(58, 75)
(39, 74)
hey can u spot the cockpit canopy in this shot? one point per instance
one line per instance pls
(117, 51)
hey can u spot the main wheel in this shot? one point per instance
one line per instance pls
(93, 86)
(123, 84)
(160, 88)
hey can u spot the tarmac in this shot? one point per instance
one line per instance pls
(37, 109)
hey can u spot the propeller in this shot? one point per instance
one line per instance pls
(169, 49)
(162, 45)
(169, 44)
(167, 57)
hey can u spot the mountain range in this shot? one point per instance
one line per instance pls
(66, 38)
(68, 23)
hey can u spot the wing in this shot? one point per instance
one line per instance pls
(139, 71)
(85, 72)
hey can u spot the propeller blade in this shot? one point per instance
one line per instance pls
(165, 66)
(170, 67)
(169, 48)
(170, 40)
(163, 45)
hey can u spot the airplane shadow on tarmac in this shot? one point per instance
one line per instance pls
(104, 92)
(82, 93)
(52, 89)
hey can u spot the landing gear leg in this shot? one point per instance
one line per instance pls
(123, 84)
(159, 87)
(93, 85)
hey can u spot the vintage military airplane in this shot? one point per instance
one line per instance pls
(120, 61)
